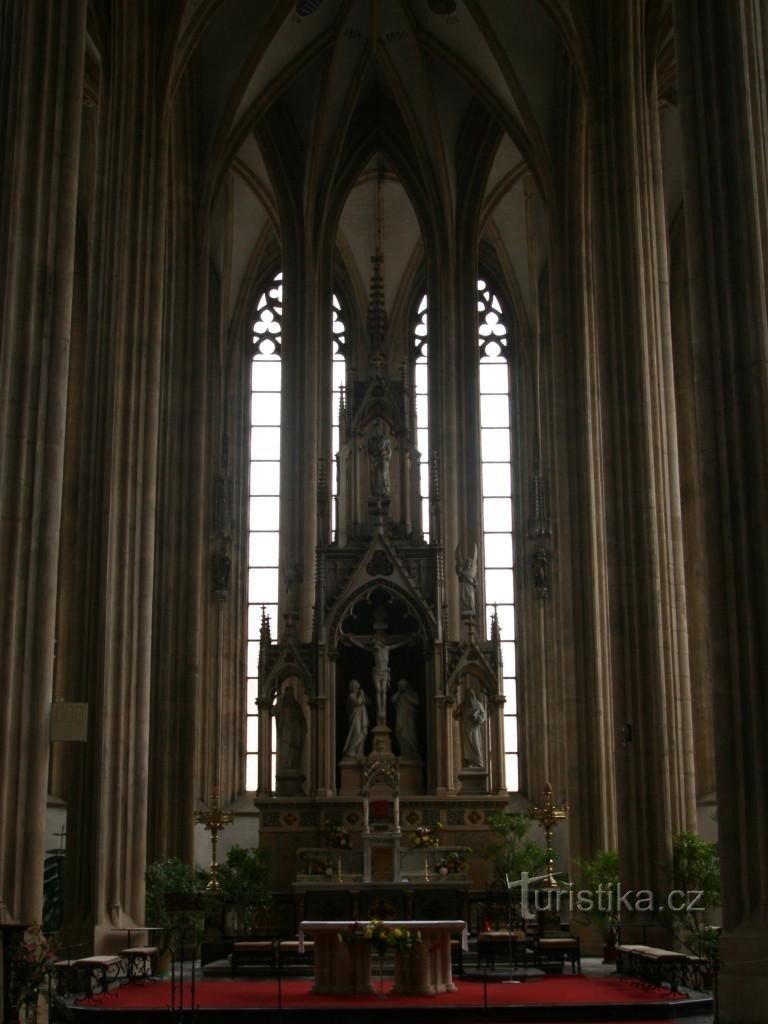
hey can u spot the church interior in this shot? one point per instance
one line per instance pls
(384, 398)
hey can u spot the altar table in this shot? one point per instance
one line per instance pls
(344, 968)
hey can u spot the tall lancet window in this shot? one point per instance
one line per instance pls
(338, 377)
(264, 501)
(497, 501)
(421, 389)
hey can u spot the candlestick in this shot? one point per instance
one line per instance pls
(213, 820)
(548, 816)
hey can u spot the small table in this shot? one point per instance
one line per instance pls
(343, 968)
(502, 942)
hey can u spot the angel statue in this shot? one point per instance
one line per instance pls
(466, 570)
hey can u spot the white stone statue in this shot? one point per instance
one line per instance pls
(406, 702)
(357, 716)
(291, 731)
(380, 673)
(466, 570)
(379, 449)
(471, 716)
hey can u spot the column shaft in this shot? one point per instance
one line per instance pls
(43, 50)
(721, 50)
(645, 581)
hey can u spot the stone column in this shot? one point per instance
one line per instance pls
(129, 275)
(306, 316)
(642, 544)
(42, 54)
(578, 591)
(191, 706)
(444, 436)
(722, 86)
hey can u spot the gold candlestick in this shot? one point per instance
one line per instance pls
(213, 820)
(548, 816)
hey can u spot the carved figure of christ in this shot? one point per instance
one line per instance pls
(380, 649)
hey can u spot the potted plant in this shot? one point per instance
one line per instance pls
(172, 885)
(696, 869)
(512, 853)
(244, 885)
(600, 878)
(29, 972)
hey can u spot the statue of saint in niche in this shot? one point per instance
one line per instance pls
(406, 702)
(379, 449)
(291, 731)
(466, 570)
(471, 716)
(357, 717)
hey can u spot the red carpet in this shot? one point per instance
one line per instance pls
(254, 993)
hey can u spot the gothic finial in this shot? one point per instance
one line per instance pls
(265, 636)
(495, 631)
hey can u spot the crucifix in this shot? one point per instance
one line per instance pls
(379, 645)
(548, 816)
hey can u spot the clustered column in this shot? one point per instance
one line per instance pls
(722, 87)
(43, 58)
(643, 544)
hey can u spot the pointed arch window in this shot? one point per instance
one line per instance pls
(338, 378)
(498, 532)
(421, 391)
(264, 496)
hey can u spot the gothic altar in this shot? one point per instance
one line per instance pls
(382, 719)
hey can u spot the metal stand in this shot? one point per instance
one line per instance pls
(179, 1008)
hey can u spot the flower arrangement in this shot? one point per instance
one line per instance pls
(30, 967)
(336, 835)
(318, 866)
(403, 940)
(382, 936)
(426, 835)
(452, 863)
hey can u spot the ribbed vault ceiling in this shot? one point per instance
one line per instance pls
(298, 109)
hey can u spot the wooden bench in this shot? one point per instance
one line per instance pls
(653, 966)
(558, 949)
(66, 978)
(253, 951)
(138, 961)
(98, 972)
(291, 951)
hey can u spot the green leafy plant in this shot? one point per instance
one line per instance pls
(172, 885)
(696, 870)
(600, 878)
(244, 884)
(512, 853)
